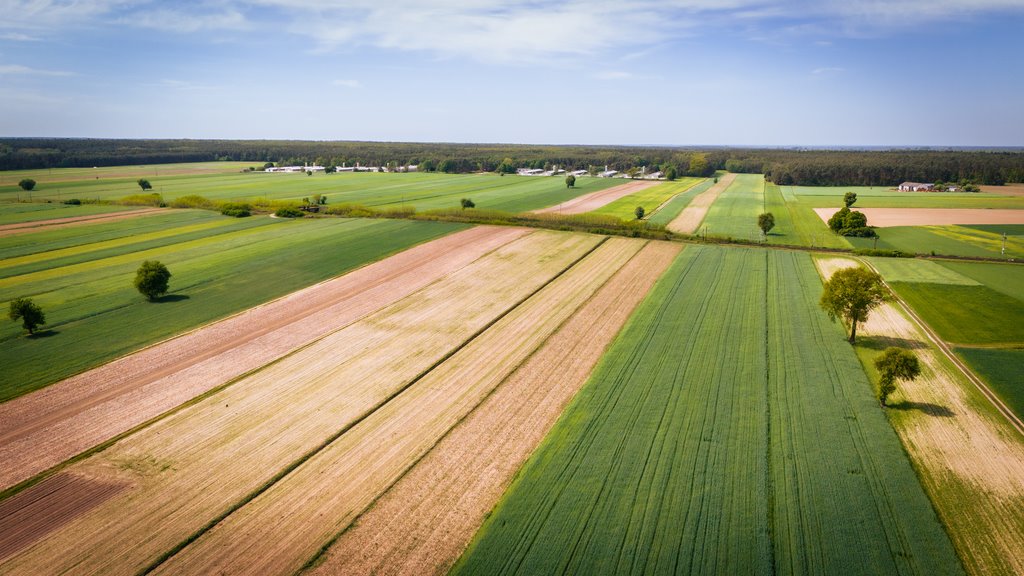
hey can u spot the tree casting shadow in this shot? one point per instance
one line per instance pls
(926, 407)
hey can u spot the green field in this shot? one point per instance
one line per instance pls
(944, 240)
(796, 224)
(424, 191)
(1005, 278)
(884, 197)
(735, 211)
(728, 430)
(220, 266)
(650, 198)
(16, 212)
(1003, 370)
(966, 314)
(675, 206)
(921, 271)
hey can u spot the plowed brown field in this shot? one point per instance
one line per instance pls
(689, 220)
(203, 461)
(423, 523)
(45, 428)
(595, 200)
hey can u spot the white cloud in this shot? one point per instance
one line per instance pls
(55, 15)
(7, 69)
(179, 21)
(613, 75)
(18, 37)
(828, 70)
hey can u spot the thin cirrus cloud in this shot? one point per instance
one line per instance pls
(18, 69)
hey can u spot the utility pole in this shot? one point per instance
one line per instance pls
(1004, 244)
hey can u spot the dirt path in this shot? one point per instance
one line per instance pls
(37, 225)
(595, 200)
(423, 523)
(970, 456)
(689, 220)
(45, 428)
(886, 217)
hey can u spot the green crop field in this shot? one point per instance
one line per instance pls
(922, 271)
(735, 211)
(424, 191)
(220, 266)
(728, 430)
(675, 206)
(883, 197)
(944, 240)
(1005, 278)
(966, 314)
(650, 198)
(12, 213)
(796, 224)
(1003, 370)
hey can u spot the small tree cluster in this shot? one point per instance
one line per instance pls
(570, 181)
(27, 184)
(289, 212)
(766, 222)
(639, 212)
(144, 184)
(848, 222)
(467, 203)
(237, 210)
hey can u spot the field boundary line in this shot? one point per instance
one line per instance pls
(356, 421)
(996, 402)
(321, 553)
(673, 197)
(40, 476)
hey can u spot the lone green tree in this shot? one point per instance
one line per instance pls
(467, 203)
(671, 173)
(27, 184)
(850, 294)
(766, 222)
(152, 279)
(895, 364)
(144, 184)
(30, 314)
(849, 198)
(570, 181)
(639, 212)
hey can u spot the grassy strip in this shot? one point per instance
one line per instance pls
(1002, 370)
(676, 205)
(649, 198)
(735, 211)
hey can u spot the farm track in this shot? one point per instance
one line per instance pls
(595, 200)
(423, 522)
(201, 463)
(689, 220)
(37, 225)
(42, 429)
(328, 491)
(969, 457)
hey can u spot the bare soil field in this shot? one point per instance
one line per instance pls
(689, 220)
(595, 200)
(886, 217)
(970, 459)
(202, 462)
(45, 428)
(286, 525)
(1006, 190)
(423, 523)
(34, 226)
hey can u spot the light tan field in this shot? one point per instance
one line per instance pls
(195, 465)
(595, 200)
(689, 220)
(886, 217)
(36, 225)
(285, 526)
(45, 428)
(1007, 190)
(423, 523)
(969, 457)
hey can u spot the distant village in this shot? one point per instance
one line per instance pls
(641, 173)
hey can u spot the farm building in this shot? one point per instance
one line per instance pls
(915, 187)
(578, 172)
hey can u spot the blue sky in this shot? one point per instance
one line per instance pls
(677, 72)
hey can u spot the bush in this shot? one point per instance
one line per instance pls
(152, 279)
(884, 253)
(27, 184)
(153, 199)
(289, 212)
(193, 201)
(237, 210)
(863, 232)
(73, 202)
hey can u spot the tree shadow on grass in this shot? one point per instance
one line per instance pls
(926, 407)
(171, 298)
(44, 334)
(882, 342)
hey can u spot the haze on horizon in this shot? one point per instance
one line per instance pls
(731, 72)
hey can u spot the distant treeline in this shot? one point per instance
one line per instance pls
(782, 166)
